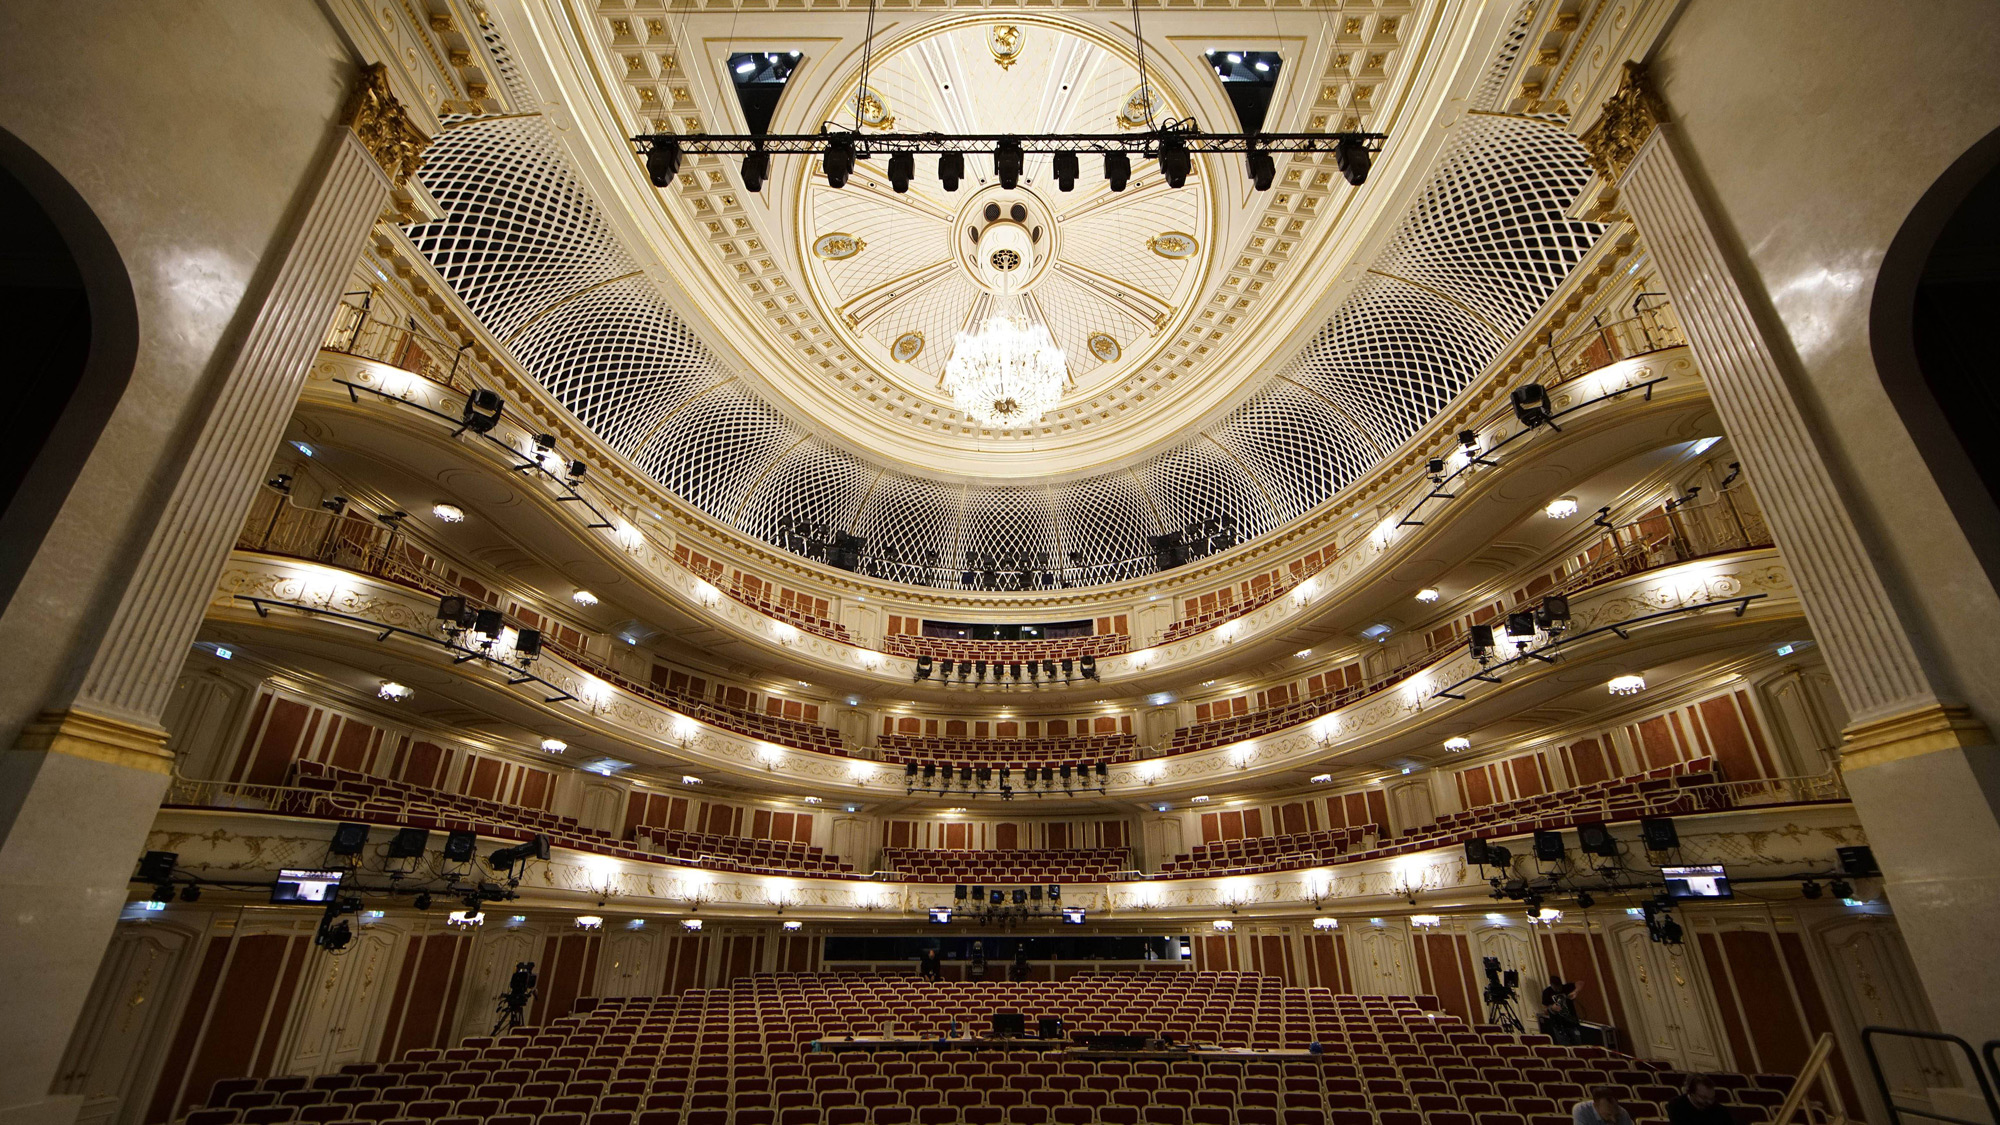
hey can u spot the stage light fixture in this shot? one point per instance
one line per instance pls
(1596, 839)
(1065, 164)
(1841, 888)
(1585, 900)
(409, 843)
(902, 166)
(482, 410)
(528, 644)
(348, 839)
(192, 893)
(951, 169)
(1531, 406)
(1007, 162)
(1811, 888)
(663, 160)
(504, 859)
(1351, 157)
(459, 846)
(1261, 168)
(756, 169)
(838, 160)
(1549, 846)
(422, 901)
(158, 867)
(1175, 161)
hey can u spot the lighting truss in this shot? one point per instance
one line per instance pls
(1174, 139)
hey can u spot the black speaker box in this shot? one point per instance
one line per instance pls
(1476, 852)
(1858, 862)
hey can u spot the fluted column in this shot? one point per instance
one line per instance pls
(1922, 769)
(79, 789)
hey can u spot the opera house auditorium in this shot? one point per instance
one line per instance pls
(1006, 562)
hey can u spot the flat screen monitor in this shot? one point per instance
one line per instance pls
(1073, 915)
(941, 914)
(1706, 880)
(312, 888)
(1009, 1025)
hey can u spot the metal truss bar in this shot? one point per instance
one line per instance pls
(1141, 144)
(1485, 675)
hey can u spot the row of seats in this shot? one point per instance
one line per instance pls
(1006, 652)
(344, 794)
(791, 615)
(352, 795)
(743, 1055)
(1619, 795)
(795, 733)
(1042, 865)
(1269, 853)
(996, 752)
(740, 853)
(1203, 622)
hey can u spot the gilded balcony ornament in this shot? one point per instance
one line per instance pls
(384, 127)
(1629, 117)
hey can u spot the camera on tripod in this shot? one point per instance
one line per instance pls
(512, 1009)
(1502, 986)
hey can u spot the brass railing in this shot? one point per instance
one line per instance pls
(356, 332)
(1650, 328)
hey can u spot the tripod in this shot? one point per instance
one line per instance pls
(1500, 1008)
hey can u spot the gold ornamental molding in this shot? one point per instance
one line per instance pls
(1911, 734)
(99, 738)
(1629, 117)
(383, 127)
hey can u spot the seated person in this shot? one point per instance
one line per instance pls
(930, 966)
(1601, 1109)
(1697, 1105)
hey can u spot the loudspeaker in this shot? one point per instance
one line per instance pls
(408, 843)
(529, 644)
(349, 839)
(979, 894)
(1035, 892)
(1596, 839)
(487, 622)
(1659, 833)
(1476, 852)
(958, 892)
(1858, 862)
(459, 846)
(1549, 846)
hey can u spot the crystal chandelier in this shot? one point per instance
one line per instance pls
(1009, 373)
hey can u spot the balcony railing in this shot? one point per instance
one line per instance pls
(355, 331)
(1650, 328)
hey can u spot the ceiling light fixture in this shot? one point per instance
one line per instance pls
(1009, 373)
(393, 691)
(1561, 508)
(1427, 595)
(1458, 743)
(554, 745)
(1627, 685)
(448, 513)
(584, 598)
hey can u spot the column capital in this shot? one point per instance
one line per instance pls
(98, 738)
(1628, 119)
(383, 126)
(1910, 734)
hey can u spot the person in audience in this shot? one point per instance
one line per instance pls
(931, 966)
(1697, 1105)
(1601, 1109)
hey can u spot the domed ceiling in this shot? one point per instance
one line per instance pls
(778, 359)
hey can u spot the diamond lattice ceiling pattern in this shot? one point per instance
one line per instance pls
(1478, 253)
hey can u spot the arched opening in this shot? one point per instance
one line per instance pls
(71, 327)
(1935, 298)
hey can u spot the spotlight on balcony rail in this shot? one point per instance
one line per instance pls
(1531, 407)
(482, 411)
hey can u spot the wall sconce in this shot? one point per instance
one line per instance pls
(1223, 925)
(869, 659)
(1326, 925)
(1242, 755)
(1426, 921)
(1149, 772)
(628, 536)
(1547, 916)
(793, 926)
(706, 593)
(466, 918)
(769, 755)
(589, 922)
(785, 633)
(691, 924)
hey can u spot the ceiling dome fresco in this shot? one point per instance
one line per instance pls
(900, 274)
(1480, 246)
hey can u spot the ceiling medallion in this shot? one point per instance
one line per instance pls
(1009, 373)
(1137, 112)
(907, 347)
(874, 111)
(1004, 40)
(1173, 244)
(1104, 348)
(837, 247)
